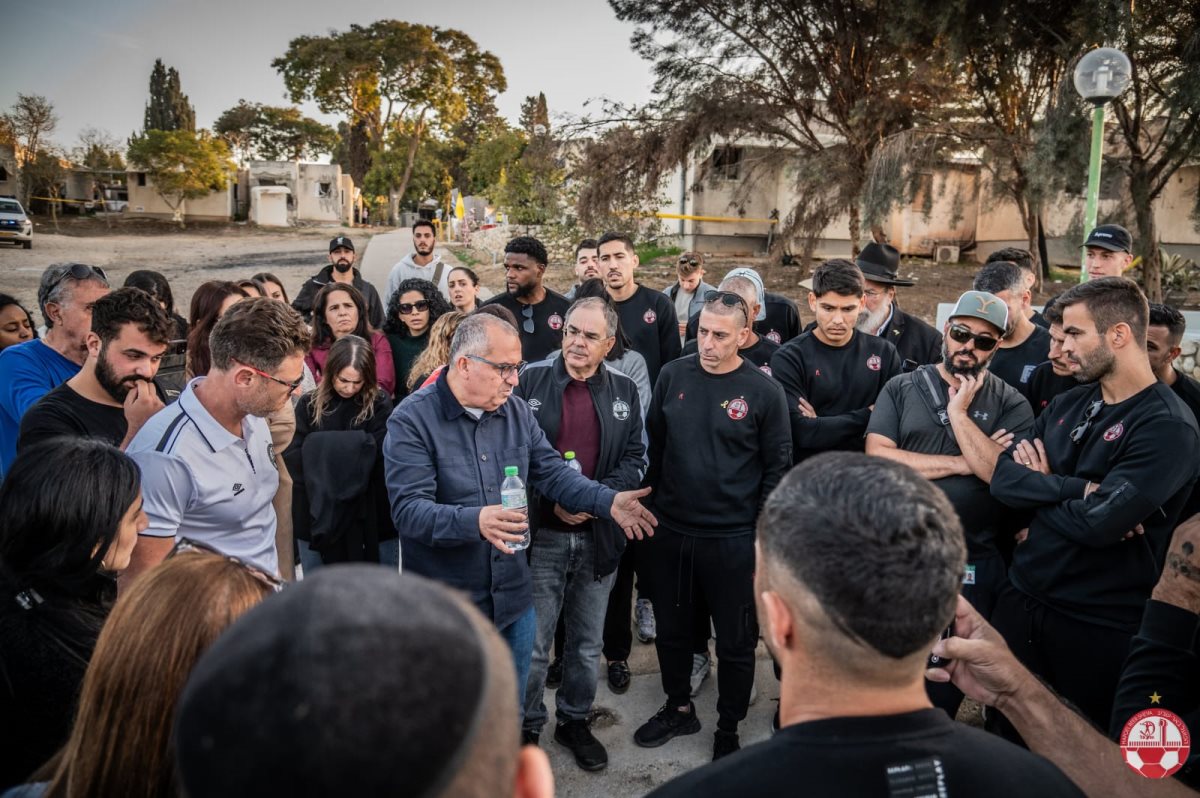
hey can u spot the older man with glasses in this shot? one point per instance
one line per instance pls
(30, 370)
(540, 312)
(447, 448)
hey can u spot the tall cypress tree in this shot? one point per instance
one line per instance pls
(168, 108)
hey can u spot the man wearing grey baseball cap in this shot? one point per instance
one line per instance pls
(950, 421)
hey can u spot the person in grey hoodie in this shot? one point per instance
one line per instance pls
(423, 264)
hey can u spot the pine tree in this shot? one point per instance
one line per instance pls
(168, 108)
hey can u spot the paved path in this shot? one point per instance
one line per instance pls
(383, 251)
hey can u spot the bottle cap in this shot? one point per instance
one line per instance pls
(510, 471)
(569, 455)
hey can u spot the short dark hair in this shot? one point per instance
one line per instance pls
(1111, 300)
(153, 283)
(528, 245)
(999, 275)
(843, 512)
(424, 223)
(124, 306)
(1052, 312)
(322, 333)
(1166, 316)
(438, 305)
(839, 276)
(497, 310)
(258, 332)
(1021, 257)
(614, 236)
(587, 243)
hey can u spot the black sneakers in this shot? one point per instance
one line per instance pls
(589, 752)
(618, 676)
(666, 724)
(554, 674)
(724, 744)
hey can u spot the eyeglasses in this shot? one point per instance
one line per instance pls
(184, 545)
(291, 386)
(1082, 427)
(984, 343)
(421, 305)
(727, 298)
(571, 331)
(873, 293)
(76, 271)
(527, 314)
(506, 369)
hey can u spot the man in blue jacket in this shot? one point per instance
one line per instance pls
(444, 455)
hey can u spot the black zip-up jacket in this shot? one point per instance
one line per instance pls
(1143, 453)
(303, 303)
(622, 460)
(917, 342)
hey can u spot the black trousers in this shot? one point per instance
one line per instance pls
(618, 620)
(720, 571)
(1081, 661)
(984, 580)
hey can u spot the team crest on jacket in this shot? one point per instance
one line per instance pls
(774, 336)
(1114, 432)
(874, 363)
(737, 409)
(765, 369)
(620, 410)
(649, 316)
(555, 322)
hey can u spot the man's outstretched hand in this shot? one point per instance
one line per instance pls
(630, 515)
(981, 664)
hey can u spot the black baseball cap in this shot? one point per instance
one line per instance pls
(341, 241)
(1112, 237)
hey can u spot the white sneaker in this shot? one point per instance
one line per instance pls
(643, 612)
(701, 668)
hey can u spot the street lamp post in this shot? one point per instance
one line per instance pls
(1100, 77)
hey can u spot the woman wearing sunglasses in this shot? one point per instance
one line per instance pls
(340, 310)
(411, 313)
(70, 515)
(339, 499)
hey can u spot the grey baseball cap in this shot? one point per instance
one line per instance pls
(985, 306)
(752, 276)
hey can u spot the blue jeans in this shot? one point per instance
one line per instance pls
(563, 567)
(519, 635)
(389, 555)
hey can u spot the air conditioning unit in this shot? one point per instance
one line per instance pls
(945, 253)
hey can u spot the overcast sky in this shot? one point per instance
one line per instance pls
(92, 58)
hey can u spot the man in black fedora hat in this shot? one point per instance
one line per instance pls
(917, 342)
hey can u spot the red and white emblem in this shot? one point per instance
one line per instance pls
(737, 409)
(1155, 743)
(555, 322)
(1114, 432)
(773, 336)
(649, 317)
(874, 363)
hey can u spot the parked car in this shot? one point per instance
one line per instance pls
(15, 225)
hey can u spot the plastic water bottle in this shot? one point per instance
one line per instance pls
(572, 463)
(512, 497)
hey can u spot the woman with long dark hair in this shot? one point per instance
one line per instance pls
(411, 314)
(16, 325)
(340, 310)
(209, 303)
(336, 454)
(274, 286)
(157, 286)
(70, 514)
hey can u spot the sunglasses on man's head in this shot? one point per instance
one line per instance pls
(688, 259)
(727, 298)
(184, 545)
(76, 271)
(961, 334)
(421, 305)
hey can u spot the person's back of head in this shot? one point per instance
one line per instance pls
(862, 559)
(120, 742)
(153, 283)
(360, 682)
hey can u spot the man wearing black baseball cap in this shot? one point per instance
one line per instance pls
(917, 342)
(340, 270)
(1109, 251)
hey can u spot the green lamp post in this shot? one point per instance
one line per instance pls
(1100, 76)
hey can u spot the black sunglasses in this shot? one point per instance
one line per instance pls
(1082, 427)
(727, 298)
(76, 271)
(689, 260)
(408, 307)
(527, 313)
(984, 343)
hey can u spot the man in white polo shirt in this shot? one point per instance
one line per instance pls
(208, 465)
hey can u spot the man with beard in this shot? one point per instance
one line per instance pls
(208, 465)
(341, 270)
(942, 421)
(917, 342)
(114, 394)
(1105, 476)
(748, 285)
(1054, 376)
(587, 265)
(647, 316)
(422, 264)
(1025, 345)
(1163, 336)
(540, 312)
